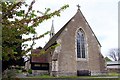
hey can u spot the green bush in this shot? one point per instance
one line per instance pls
(30, 71)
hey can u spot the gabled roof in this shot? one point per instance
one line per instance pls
(54, 38)
(91, 30)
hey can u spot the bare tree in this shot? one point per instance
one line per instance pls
(115, 54)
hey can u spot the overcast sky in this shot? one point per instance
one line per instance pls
(102, 16)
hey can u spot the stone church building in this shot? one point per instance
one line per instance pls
(78, 50)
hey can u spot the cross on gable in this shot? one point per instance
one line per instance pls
(78, 6)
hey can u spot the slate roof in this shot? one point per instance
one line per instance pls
(55, 37)
(38, 59)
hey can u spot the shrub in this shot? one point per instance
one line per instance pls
(30, 71)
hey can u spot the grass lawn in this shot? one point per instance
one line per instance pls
(76, 77)
(114, 74)
(110, 76)
(47, 77)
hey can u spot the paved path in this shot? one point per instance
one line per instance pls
(21, 75)
(109, 77)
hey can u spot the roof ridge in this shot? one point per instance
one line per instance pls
(57, 34)
(90, 27)
(55, 37)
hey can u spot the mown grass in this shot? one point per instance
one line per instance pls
(77, 77)
(114, 74)
(47, 77)
(110, 76)
(42, 76)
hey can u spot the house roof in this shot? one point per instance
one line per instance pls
(54, 38)
(113, 62)
(114, 66)
(38, 59)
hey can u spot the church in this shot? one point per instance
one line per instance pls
(79, 50)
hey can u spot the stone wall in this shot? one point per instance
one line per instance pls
(67, 57)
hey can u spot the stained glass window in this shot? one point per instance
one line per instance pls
(80, 44)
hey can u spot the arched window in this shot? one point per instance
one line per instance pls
(80, 44)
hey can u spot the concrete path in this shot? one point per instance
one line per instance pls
(21, 75)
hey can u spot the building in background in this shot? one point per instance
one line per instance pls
(113, 66)
(79, 50)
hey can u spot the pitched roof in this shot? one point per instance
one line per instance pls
(54, 38)
(91, 30)
(38, 59)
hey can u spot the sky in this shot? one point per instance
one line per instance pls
(102, 16)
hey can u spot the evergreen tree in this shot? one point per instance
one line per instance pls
(107, 59)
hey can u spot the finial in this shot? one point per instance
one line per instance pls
(78, 6)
